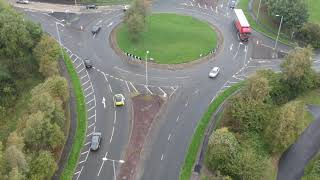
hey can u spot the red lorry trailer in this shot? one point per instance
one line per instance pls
(242, 25)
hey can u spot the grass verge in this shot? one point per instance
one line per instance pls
(165, 42)
(198, 135)
(81, 122)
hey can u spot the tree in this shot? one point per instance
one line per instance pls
(47, 52)
(297, 71)
(310, 34)
(257, 88)
(294, 12)
(249, 165)
(15, 140)
(135, 19)
(222, 148)
(39, 133)
(282, 131)
(16, 158)
(42, 102)
(15, 174)
(42, 166)
(56, 86)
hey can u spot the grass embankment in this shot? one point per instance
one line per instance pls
(170, 39)
(314, 10)
(81, 122)
(105, 2)
(198, 135)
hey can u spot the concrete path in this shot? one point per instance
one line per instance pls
(293, 161)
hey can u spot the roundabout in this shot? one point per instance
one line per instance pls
(187, 91)
(170, 39)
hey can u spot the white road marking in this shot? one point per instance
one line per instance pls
(134, 87)
(221, 5)
(90, 109)
(110, 88)
(217, 9)
(116, 67)
(161, 157)
(231, 47)
(147, 89)
(205, 6)
(75, 60)
(84, 76)
(85, 152)
(78, 65)
(89, 94)
(235, 55)
(191, 4)
(110, 24)
(199, 5)
(115, 117)
(177, 118)
(87, 88)
(103, 102)
(105, 77)
(211, 8)
(81, 70)
(79, 173)
(174, 90)
(86, 144)
(186, 103)
(164, 93)
(237, 78)
(91, 125)
(112, 134)
(169, 137)
(92, 116)
(91, 100)
(85, 82)
(182, 77)
(102, 164)
(94, 35)
(128, 86)
(195, 92)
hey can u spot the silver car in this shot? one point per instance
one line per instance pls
(214, 72)
(95, 141)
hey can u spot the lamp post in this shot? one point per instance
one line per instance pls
(275, 46)
(258, 10)
(147, 68)
(59, 39)
(114, 168)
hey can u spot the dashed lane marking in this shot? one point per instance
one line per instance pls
(115, 117)
(110, 88)
(112, 134)
(177, 118)
(169, 137)
(161, 157)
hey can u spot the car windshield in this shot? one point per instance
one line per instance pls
(95, 140)
(87, 61)
(118, 98)
(215, 69)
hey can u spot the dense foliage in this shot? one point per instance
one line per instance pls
(32, 99)
(310, 34)
(263, 120)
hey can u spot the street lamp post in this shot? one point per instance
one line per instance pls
(147, 68)
(114, 168)
(258, 10)
(275, 46)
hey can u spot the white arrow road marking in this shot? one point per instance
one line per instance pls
(104, 102)
(110, 24)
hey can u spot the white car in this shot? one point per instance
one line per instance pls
(125, 8)
(214, 72)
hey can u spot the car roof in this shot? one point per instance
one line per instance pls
(215, 69)
(96, 134)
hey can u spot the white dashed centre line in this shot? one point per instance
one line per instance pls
(112, 134)
(169, 137)
(161, 157)
(115, 117)
(178, 118)
(110, 88)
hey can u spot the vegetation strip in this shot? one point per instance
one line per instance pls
(81, 122)
(198, 135)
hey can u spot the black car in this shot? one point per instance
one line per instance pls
(87, 63)
(95, 29)
(95, 141)
(91, 6)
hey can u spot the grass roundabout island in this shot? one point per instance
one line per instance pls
(170, 39)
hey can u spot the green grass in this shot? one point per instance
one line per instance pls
(105, 2)
(170, 39)
(198, 135)
(311, 97)
(312, 171)
(314, 10)
(81, 122)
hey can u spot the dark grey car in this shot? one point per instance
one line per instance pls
(95, 141)
(91, 6)
(232, 4)
(87, 63)
(95, 29)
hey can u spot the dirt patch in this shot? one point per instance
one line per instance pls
(145, 111)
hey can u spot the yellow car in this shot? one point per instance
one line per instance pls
(118, 100)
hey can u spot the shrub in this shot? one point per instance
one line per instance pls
(310, 34)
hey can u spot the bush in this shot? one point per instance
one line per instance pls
(222, 149)
(42, 166)
(310, 34)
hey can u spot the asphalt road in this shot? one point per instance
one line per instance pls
(188, 91)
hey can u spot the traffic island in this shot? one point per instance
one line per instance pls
(145, 112)
(170, 39)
